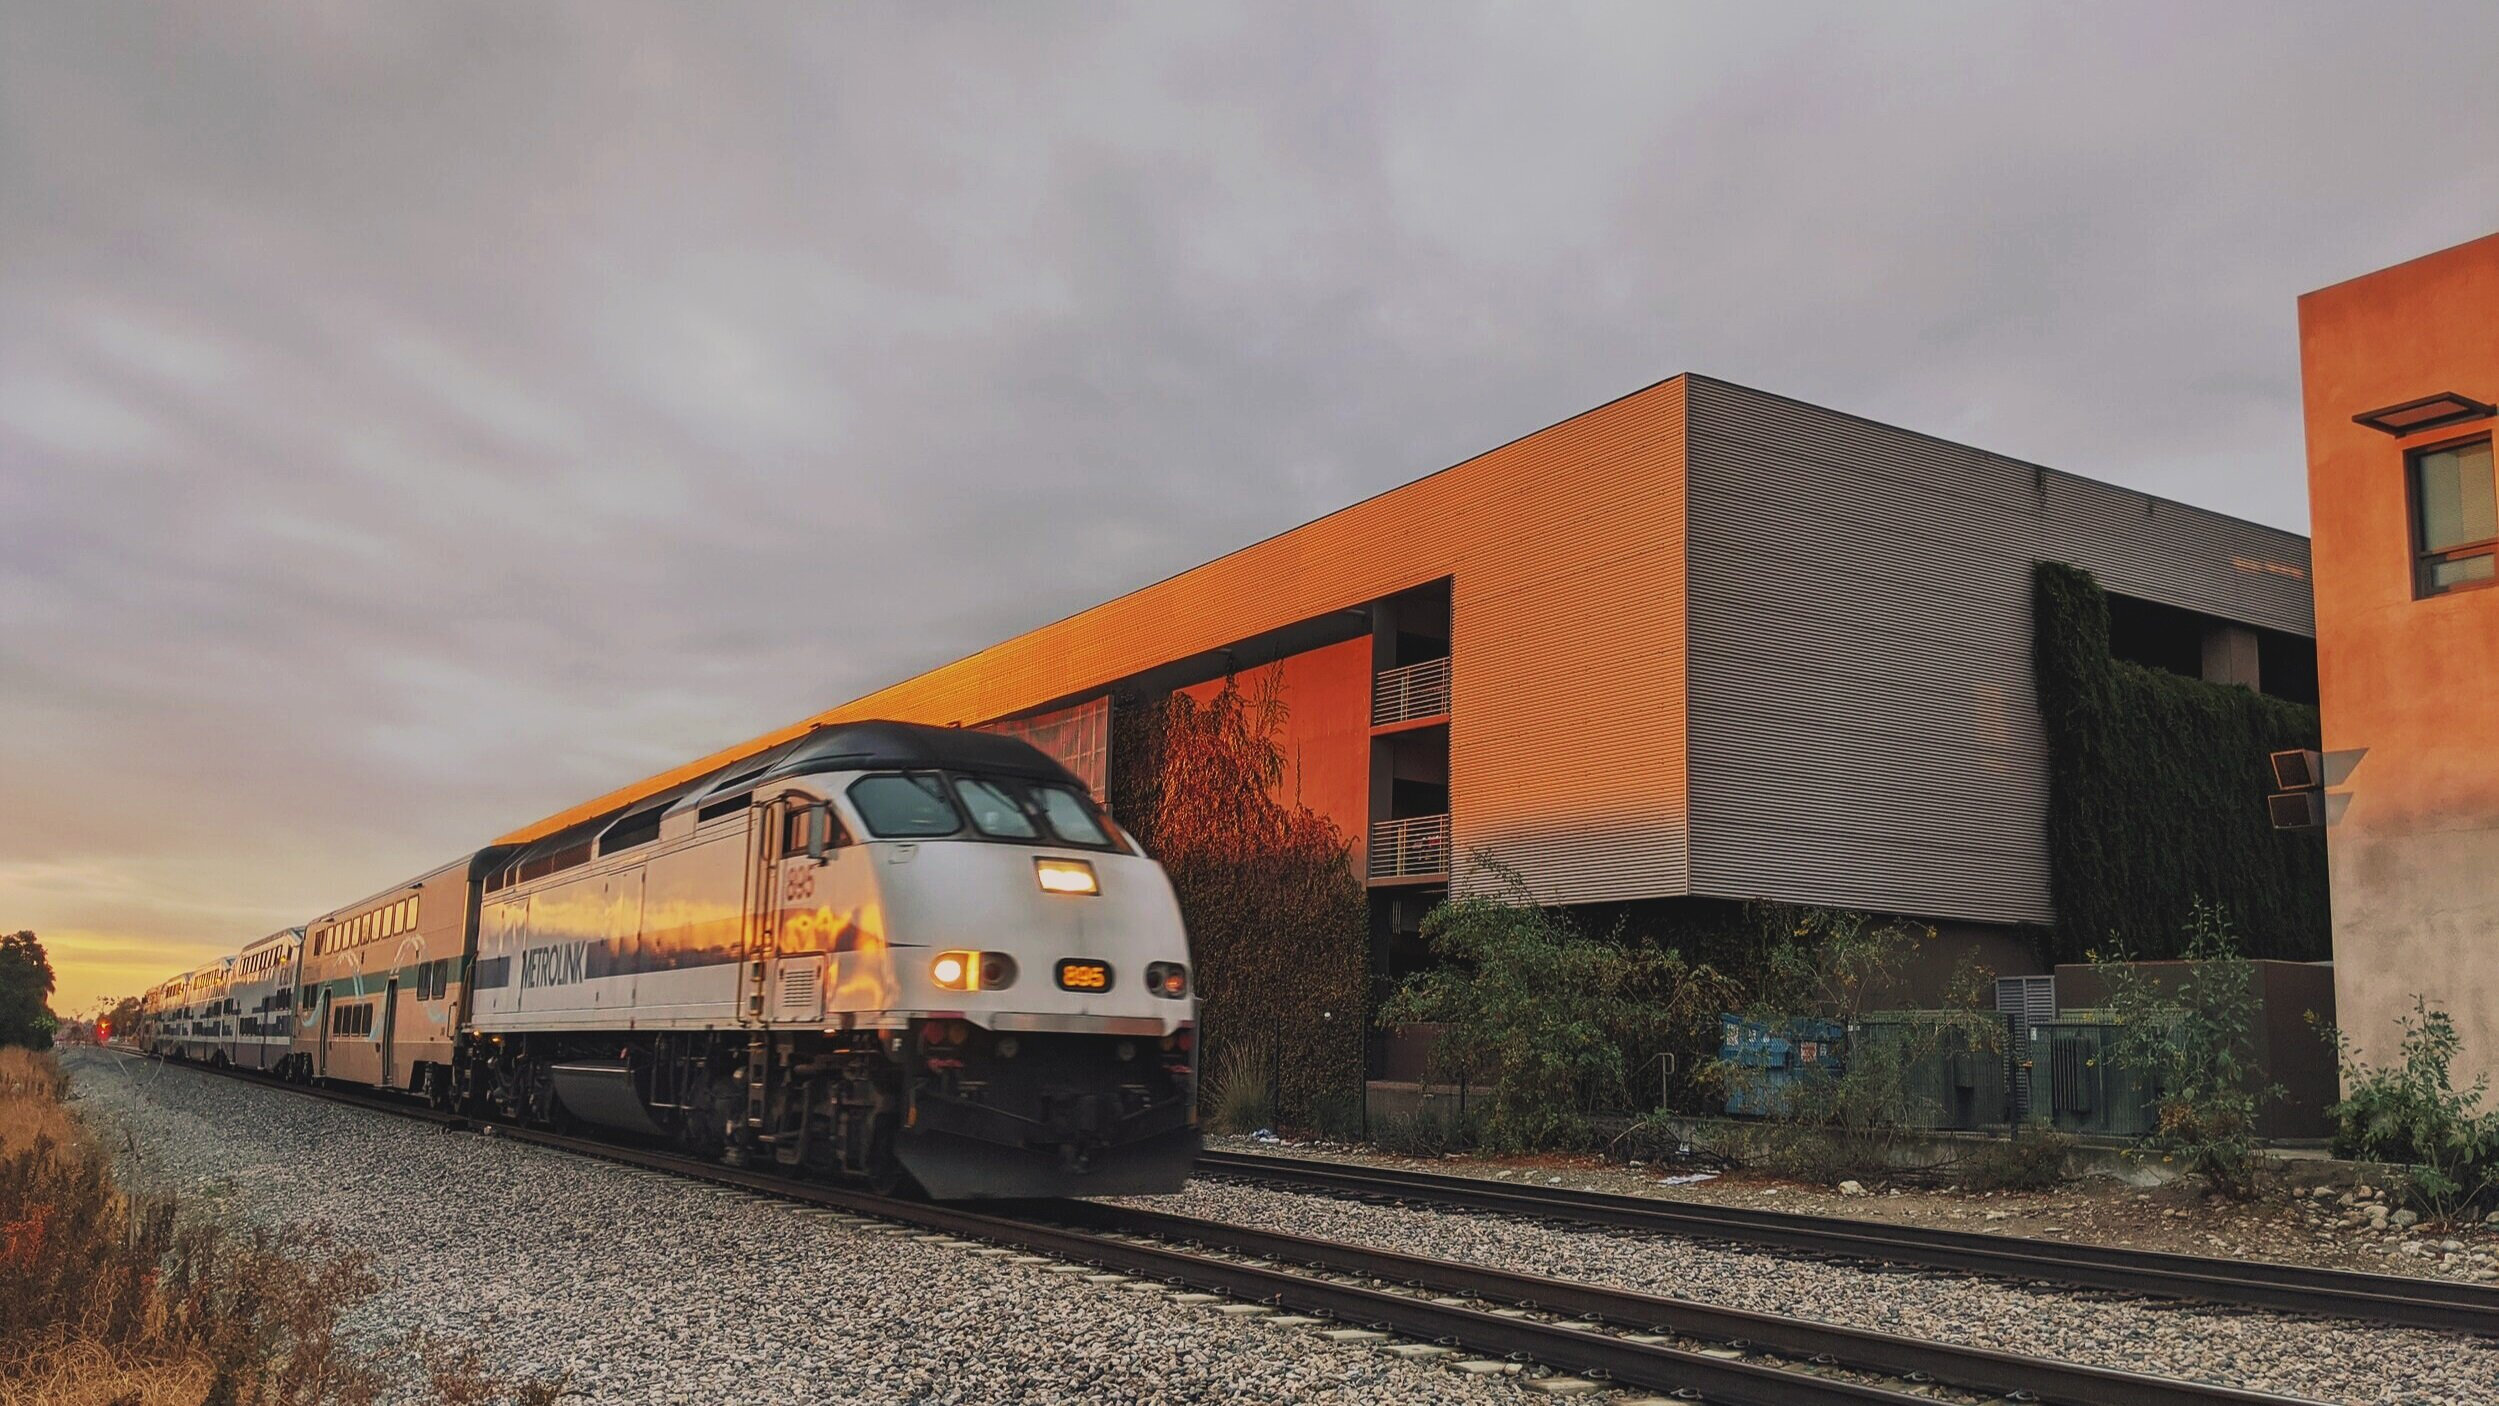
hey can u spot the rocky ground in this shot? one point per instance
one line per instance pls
(635, 1287)
(2324, 1361)
(641, 1288)
(2344, 1224)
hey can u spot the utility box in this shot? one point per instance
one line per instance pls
(1768, 1058)
(2074, 1084)
(1953, 1073)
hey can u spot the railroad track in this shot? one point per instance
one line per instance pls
(2442, 1305)
(1626, 1339)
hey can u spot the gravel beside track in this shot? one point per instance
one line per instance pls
(645, 1288)
(2326, 1361)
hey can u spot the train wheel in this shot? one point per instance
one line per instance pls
(886, 1176)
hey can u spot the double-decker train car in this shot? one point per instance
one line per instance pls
(198, 1023)
(261, 1000)
(894, 951)
(155, 1013)
(911, 954)
(378, 993)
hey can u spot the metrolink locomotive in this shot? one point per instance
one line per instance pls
(919, 956)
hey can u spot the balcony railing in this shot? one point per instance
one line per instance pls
(1415, 847)
(1414, 691)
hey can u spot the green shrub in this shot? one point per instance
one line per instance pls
(2193, 1040)
(2034, 1161)
(1548, 1019)
(2412, 1114)
(1239, 1094)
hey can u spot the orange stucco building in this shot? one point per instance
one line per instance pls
(2400, 369)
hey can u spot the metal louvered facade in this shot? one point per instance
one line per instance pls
(1864, 730)
(1702, 640)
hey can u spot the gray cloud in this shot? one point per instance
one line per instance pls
(414, 419)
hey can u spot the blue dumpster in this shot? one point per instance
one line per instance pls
(1765, 1059)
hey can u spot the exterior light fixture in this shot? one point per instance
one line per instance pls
(2298, 770)
(2427, 413)
(2300, 804)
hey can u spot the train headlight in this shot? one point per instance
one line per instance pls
(972, 971)
(1169, 979)
(1065, 876)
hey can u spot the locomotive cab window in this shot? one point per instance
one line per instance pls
(1071, 815)
(912, 806)
(994, 808)
(2455, 518)
(800, 828)
(918, 805)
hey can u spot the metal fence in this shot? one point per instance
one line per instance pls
(1413, 691)
(1410, 848)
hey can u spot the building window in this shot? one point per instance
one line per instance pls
(2455, 516)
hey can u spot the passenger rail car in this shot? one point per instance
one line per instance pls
(262, 1000)
(196, 1022)
(378, 996)
(156, 1010)
(882, 949)
(905, 953)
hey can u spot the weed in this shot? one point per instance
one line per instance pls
(2411, 1113)
(1425, 1132)
(116, 1299)
(2035, 1161)
(1240, 1093)
(2195, 1042)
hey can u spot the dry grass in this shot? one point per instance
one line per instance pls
(116, 1299)
(86, 1374)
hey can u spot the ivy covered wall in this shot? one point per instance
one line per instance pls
(2156, 795)
(1277, 917)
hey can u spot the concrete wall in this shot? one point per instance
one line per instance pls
(2409, 688)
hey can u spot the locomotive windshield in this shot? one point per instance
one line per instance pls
(905, 807)
(924, 805)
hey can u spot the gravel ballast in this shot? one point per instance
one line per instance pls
(2322, 1360)
(638, 1287)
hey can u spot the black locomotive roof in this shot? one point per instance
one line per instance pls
(860, 746)
(866, 746)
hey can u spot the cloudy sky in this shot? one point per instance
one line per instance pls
(414, 419)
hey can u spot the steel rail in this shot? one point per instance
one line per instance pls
(2440, 1305)
(1590, 1343)
(1978, 1369)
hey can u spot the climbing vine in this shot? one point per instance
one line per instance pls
(2157, 786)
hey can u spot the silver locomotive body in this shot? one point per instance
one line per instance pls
(885, 950)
